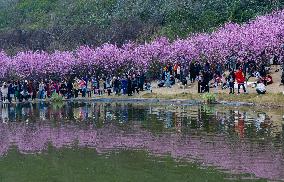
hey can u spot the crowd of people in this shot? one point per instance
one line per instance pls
(19, 91)
(232, 75)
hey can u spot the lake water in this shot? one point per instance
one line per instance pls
(91, 141)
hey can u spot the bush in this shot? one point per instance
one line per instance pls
(55, 97)
(209, 98)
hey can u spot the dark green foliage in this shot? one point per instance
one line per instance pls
(66, 24)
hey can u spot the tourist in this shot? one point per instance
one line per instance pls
(69, 89)
(101, 86)
(116, 85)
(41, 90)
(129, 86)
(83, 87)
(239, 75)
(76, 88)
(89, 88)
(108, 86)
(231, 80)
(4, 91)
(11, 92)
(95, 85)
(206, 80)
(47, 89)
(124, 85)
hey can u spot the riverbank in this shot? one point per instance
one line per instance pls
(271, 100)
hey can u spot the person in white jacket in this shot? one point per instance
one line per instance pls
(4, 90)
(260, 88)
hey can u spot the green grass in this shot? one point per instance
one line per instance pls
(266, 99)
(86, 165)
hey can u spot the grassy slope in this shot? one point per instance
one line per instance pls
(120, 20)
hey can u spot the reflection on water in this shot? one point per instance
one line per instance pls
(239, 141)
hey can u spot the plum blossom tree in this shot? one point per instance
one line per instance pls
(258, 39)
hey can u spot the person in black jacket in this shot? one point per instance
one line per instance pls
(129, 86)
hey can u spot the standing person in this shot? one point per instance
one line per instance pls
(41, 90)
(206, 80)
(135, 85)
(30, 89)
(192, 72)
(124, 85)
(25, 93)
(167, 81)
(239, 75)
(178, 73)
(141, 81)
(76, 88)
(63, 88)
(108, 86)
(34, 90)
(89, 89)
(129, 86)
(101, 87)
(20, 89)
(17, 91)
(47, 89)
(4, 90)
(231, 80)
(116, 85)
(83, 87)
(11, 92)
(199, 85)
(95, 85)
(69, 89)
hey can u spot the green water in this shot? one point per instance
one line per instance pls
(139, 142)
(69, 165)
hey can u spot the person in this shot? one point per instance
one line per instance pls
(124, 85)
(41, 90)
(83, 87)
(95, 85)
(89, 88)
(199, 85)
(108, 86)
(178, 73)
(260, 88)
(148, 86)
(63, 88)
(47, 89)
(239, 75)
(11, 92)
(231, 80)
(206, 80)
(69, 89)
(115, 85)
(4, 91)
(192, 72)
(167, 80)
(129, 86)
(76, 88)
(101, 86)
(141, 81)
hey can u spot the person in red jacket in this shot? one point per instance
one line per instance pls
(240, 78)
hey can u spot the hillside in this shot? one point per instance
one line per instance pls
(65, 24)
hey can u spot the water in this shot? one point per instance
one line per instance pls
(139, 142)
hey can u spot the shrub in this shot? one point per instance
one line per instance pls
(55, 97)
(209, 98)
